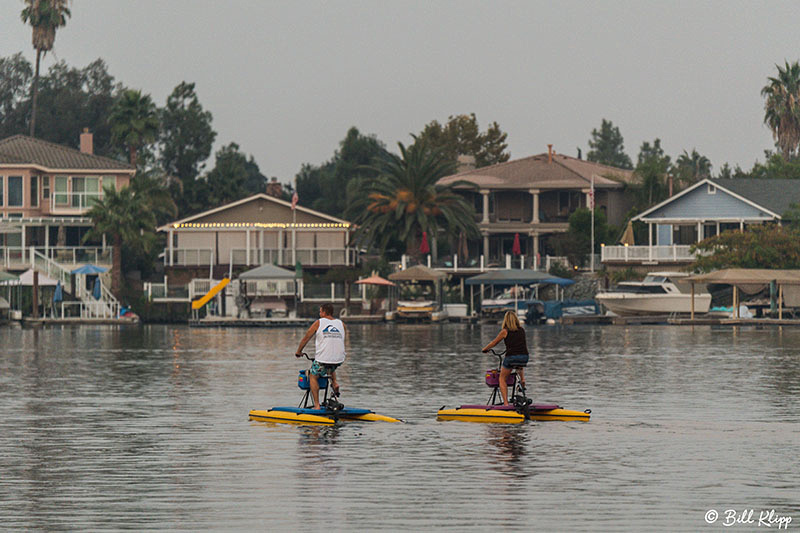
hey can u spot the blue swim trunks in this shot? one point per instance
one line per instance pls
(515, 360)
(323, 369)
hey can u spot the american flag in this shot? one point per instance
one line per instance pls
(295, 199)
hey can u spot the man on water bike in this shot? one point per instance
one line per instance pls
(516, 351)
(330, 333)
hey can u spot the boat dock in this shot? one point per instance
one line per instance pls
(229, 322)
(676, 321)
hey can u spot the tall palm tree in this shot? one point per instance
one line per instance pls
(405, 200)
(127, 219)
(782, 108)
(134, 121)
(44, 16)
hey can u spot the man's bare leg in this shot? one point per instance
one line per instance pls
(315, 391)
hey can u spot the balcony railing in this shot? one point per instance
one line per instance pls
(18, 256)
(675, 253)
(306, 256)
(73, 202)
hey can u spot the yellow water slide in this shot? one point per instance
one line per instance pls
(198, 304)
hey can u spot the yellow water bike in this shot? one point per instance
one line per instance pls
(520, 407)
(332, 410)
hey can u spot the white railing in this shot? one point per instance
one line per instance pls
(647, 254)
(306, 256)
(272, 288)
(51, 268)
(86, 309)
(189, 257)
(330, 292)
(18, 256)
(73, 201)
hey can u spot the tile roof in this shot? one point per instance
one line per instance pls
(24, 150)
(536, 172)
(777, 195)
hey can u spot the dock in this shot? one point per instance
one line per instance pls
(230, 322)
(77, 321)
(676, 321)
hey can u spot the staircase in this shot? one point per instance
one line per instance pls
(106, 307)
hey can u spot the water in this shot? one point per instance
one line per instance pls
(146, 428)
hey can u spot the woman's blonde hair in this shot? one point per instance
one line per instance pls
(511, 322)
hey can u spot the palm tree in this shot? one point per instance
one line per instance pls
(44, 16)
(134, 121)
(126, 217)
(405, 200)
(691, 168)
(782, 108)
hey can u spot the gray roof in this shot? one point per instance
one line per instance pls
(24, 150)
(268, 271)
(774, 194)
(516, 277)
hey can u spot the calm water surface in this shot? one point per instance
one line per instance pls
(146, 428)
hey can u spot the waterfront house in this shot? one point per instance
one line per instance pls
(254, 231)
(534, 197)
(45, 191)
(705, 209)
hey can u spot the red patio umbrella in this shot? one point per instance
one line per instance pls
(423, 247)
(516, 249)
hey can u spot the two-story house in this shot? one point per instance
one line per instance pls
(257, 230)
(534, 197)
(45, 191)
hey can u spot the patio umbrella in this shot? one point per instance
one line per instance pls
(96, 290)
(58, 294)
(516, 249)
(423, 247)
(89, 269)
(376, 280)
(627, 237)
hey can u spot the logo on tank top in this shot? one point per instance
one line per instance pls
(331, 331)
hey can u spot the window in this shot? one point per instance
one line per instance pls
(712, 189)
(1, 190)
(60, 193)
(84, 191)
(34, 191)
(15, 191)
(46, 187)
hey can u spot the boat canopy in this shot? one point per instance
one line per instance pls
(268, 271)
(418, 273)
(508, 277)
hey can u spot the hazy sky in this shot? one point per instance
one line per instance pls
(286, 80)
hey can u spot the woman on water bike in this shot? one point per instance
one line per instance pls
(516, 351)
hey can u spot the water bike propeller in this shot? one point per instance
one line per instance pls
(520, 407)
(331, 409)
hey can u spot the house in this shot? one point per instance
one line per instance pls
(45, 191)
(254, 231)
(705, 209)
(534, 197)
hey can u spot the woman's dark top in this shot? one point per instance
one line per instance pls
(516, 343)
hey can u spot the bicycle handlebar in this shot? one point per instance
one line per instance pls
(303, 354)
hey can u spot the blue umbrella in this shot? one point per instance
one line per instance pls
(58, 295)
(90, 269)
(96, 290)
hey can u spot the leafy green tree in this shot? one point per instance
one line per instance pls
(227, 180)
(334, 186)
(45, 17)
(782, 108)
(577, 242)
(462, 136)
(607, 147)
(185, 142)
(776, 167)
(691, 168)
(651, 169)
(127, 218)
(725, 172)
(405, 200)
(134, 122)
(760, 246)
(15, 79)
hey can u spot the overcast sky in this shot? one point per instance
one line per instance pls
(285, 80)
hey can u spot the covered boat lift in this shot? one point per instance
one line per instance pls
(420, 273)
(513, 278)
(752, 280)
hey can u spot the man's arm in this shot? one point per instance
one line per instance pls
(307, 337)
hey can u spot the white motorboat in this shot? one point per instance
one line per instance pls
(660, 293)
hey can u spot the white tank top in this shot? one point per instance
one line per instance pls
(330, 341)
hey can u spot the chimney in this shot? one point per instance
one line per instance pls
(465, 163)
(87, 144)
(549, 153)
